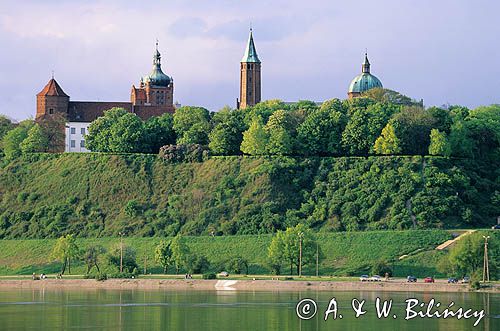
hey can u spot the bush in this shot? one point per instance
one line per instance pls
(183, 153)
(381, 268)
(123, 275)
(209, 276)
(100, 277)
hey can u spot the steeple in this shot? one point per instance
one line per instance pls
(366, 65)
(250, 52)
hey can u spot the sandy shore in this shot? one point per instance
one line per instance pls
(239, 285)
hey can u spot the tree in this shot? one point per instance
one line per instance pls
(483, 126)
(237, 265)
(117, 131)
(64, 250)
(255, 139)
(180, 252)
(387, 143)
(36, 140)
(5, 126)
(413, 127)
(163, 255)
(278, 128)
(286, 245)
(227, 134)
(380, 94)
(91, 257)
(192, 125)
(321, 131)
(460, 142)
(439, 144)
(53, 127)
(129, 258)
(12, 140)
(159, 131)
(196, 264)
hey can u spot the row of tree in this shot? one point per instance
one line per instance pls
(381, 122)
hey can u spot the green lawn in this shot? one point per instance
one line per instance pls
(346, 253)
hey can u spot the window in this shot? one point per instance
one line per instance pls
(82, 130)
(72, 144)
(82, 143)
(51, 111)
(73, 130)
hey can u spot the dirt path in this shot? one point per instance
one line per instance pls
(450, 242)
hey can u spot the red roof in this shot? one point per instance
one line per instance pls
(52, 89)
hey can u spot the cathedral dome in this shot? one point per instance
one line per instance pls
(364, 81)
(157, 77)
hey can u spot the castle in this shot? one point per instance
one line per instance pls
(155, 93)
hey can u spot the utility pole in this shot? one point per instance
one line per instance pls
(301, 234)
(121, 251)
(145, 264)
(317, 260)
(486, 267)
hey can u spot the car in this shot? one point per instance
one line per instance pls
(364, 278)
(411, 279)
(465, 280)
(452, 280)
(375, 278)
(496, 227)
(428, 280)
(223, 274)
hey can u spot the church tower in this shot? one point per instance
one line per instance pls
(250, 82)
(51, 100)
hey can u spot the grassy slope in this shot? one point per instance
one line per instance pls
(346, 253)
(43, 196)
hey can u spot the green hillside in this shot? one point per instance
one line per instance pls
(99, 195)
(345, 253)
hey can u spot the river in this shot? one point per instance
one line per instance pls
(99, 309)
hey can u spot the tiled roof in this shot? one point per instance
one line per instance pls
(87, 111)
(146, 112)
(52, 89)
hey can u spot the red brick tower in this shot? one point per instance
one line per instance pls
(52, 100)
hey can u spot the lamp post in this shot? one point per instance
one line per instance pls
(121, 251)
(486, 267)
(301, 235)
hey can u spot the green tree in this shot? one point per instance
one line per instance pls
(117, 131)
(12, 140)
(5, 126)
(439, 144)
(255, 139)
(387, 143)
(380, 94)
(91, 257)
(64, 250)
(36, 140)
(460, 142)
(227, 134)
(285, 247)
(163, 255)
(237, 265)
(278, 128)
(321, 131)
(180, 252)
(129, 258)
(483, 126)
(413, 127)
(192, 125)
(159, 131)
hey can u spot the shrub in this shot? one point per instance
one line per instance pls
(209, 276)
(183, 153)
(100, 277)
(381, 268)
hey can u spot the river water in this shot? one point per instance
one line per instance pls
(38, 309)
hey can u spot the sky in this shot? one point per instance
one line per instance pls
(445, 52)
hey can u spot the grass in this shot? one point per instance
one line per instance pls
(346, 254)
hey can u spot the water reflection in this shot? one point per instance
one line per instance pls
(42, 309)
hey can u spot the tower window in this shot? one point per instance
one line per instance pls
(51, 111)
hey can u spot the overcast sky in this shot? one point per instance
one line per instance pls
(445, 51)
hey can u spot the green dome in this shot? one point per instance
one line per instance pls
(364, 82)
(157, 77)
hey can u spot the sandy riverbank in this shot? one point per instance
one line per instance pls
(240, 285)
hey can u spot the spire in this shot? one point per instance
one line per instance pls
(366, 64)
(250, 52)
(157, 57)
